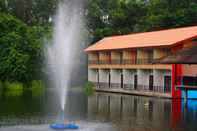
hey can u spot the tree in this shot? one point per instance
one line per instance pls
(113, 17)
(20, 49)
(117, 17)
(164, 14)
(32, 12)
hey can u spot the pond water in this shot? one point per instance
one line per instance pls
(102, 111)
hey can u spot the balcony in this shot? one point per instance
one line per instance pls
(127, 64)
(121, 62)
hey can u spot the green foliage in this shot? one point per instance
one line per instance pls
(113, 17)
(13, 88)
(24, 24)
(13, 85)
(116, 17)
(21, 45)
(164, 14)
(20, 50)
(37, 87)
(89, 88)
(32, 12)
(37, 84)
(1, 84)
(17, 88)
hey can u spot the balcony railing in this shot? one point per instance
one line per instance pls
(93, 62)
(129, 86)
(101, 85)
(121, 62)
(140, 88)
(115, 85)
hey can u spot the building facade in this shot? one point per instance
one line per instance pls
(127, 63)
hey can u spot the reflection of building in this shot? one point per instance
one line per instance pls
(131, 112)
(127, 63)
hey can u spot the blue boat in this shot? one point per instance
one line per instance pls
(60, 126)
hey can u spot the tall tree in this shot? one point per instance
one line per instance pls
(30, 11)
(20, 49)
(113, 17)
(163, 14)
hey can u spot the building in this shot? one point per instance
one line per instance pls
(187, 56)
(126, 63)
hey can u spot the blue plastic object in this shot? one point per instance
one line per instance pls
(57, 126)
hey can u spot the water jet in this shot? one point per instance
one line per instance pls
(60, 54)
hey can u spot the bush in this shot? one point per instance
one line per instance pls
(38, 84)
(37, 87)
(13, 88)
(17, 88)
(89, 88)
(13, 85)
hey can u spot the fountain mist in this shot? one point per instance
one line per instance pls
(61, 54)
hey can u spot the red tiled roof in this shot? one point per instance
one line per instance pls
(147, 39)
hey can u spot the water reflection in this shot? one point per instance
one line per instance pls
(128, 112)
(28, 108)
(124, 112)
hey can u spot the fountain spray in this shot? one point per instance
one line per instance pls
(61, 54)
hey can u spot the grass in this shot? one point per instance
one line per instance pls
(89, 88)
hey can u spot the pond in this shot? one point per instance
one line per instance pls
(102, 111)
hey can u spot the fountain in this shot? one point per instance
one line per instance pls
(61, 53)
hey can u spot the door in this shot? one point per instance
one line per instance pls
(133, 57)
(109, 82)
(97, 58)
(135, 82)
(122, 81)
(150, 56)
(98, 79)
(121, 58)
(151, 82)
(167, 83)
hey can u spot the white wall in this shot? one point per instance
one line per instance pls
(158, 77)
(129, 76)
(104, 76)
(92, 75)
(143, 78)
(115, 76)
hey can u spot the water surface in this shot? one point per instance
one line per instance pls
(102, 111)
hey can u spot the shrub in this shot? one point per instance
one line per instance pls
(37, 87)
(13, 88)
(13, 85)
(89, 88)
(17, 88)
(37, 84)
